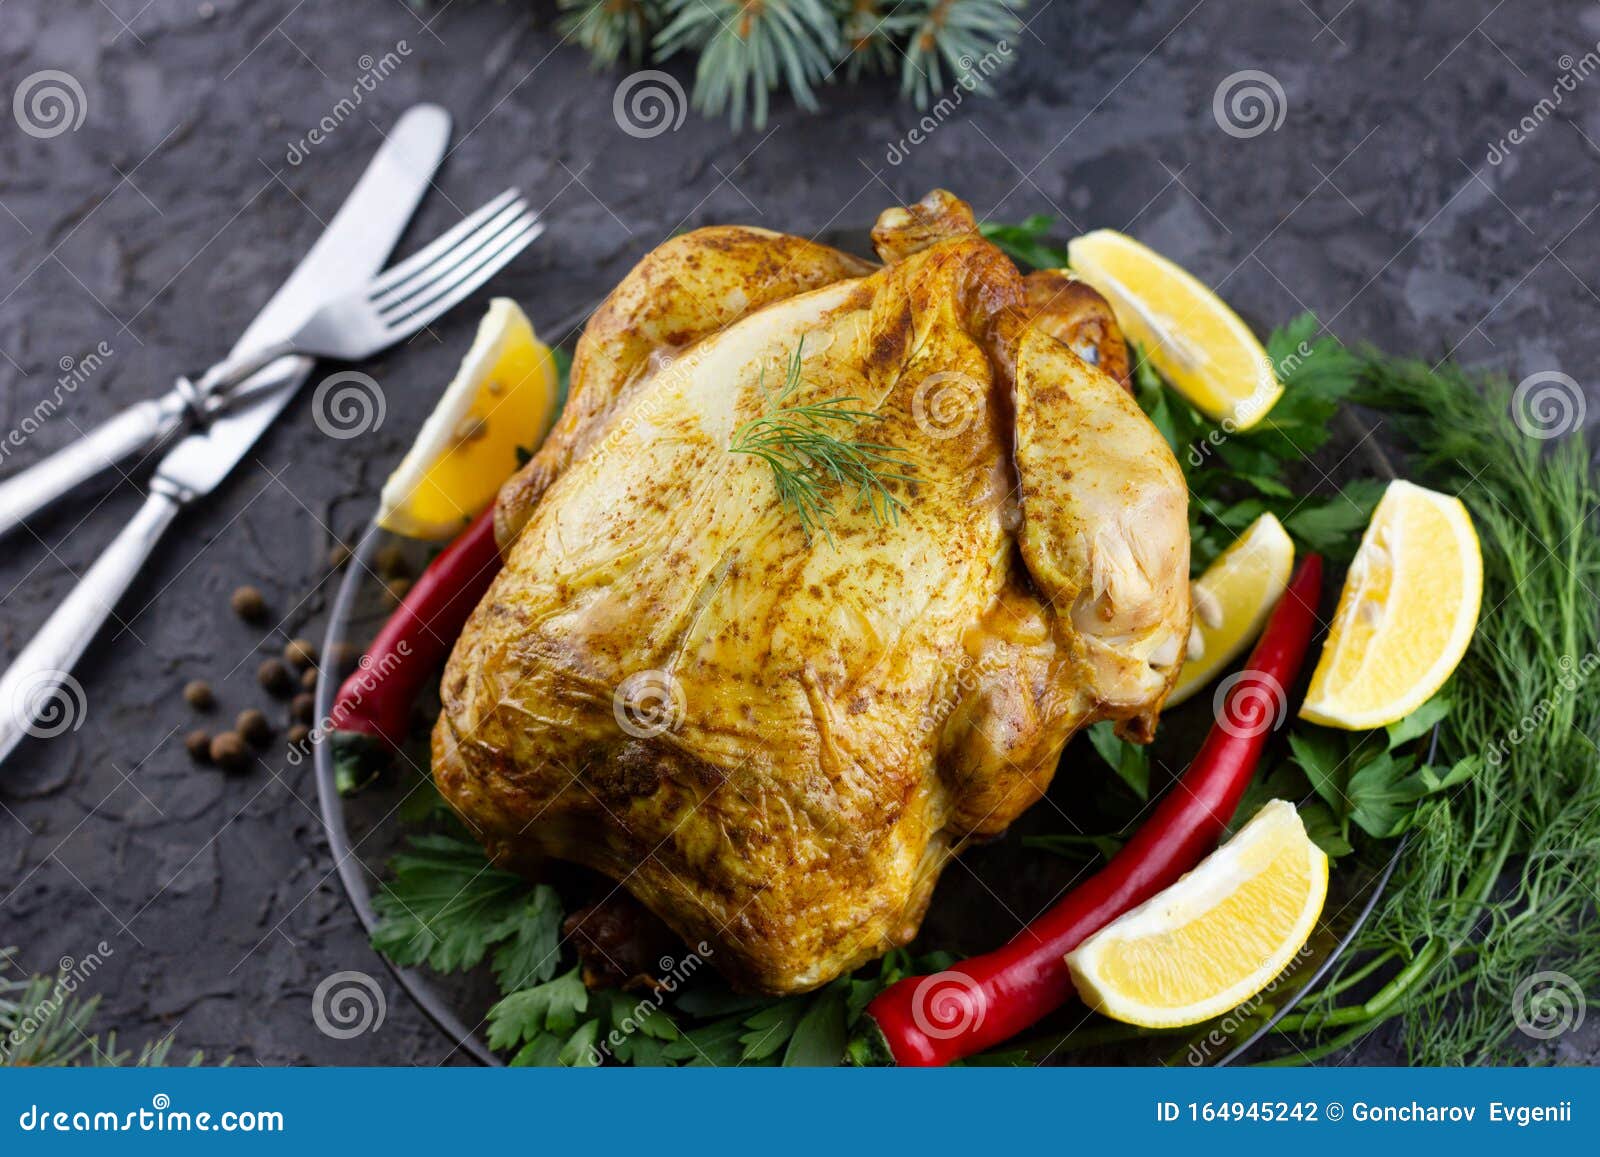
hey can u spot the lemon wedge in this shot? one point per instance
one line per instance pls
(1406, 614)
(498, 407)
(1194, 340)
(1232, 600)
(1217, 937)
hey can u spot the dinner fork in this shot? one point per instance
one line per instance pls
(400, 301)
(391, 307)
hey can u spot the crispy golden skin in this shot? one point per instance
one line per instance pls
(775, 743)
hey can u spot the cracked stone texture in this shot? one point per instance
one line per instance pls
(162, 222)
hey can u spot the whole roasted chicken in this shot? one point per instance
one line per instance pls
(775, 730)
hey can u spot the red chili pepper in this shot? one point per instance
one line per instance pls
(933, 1020)
(372, 711)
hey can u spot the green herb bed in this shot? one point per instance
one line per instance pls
(1497, 882)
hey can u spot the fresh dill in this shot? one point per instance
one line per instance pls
(811, 453)
(1490, 919)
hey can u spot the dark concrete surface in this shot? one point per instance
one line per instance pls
(162, 222)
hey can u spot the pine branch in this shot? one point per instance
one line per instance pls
(974, 39)
(43, 1022)
(748, 48)
(611, 29)
(868, 41)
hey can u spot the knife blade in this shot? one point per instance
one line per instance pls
(355, 245)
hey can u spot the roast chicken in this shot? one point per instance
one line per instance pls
(775, 735)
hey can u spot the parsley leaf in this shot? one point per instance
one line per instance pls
(549, 1008)
(533, 952)
(820, 1037)
(445, 905)
(1130, 761)
(1025, 243)
(1236, 476)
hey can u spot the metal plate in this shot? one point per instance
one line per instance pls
(972, 910)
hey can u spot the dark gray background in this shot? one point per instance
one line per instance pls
(165, 220)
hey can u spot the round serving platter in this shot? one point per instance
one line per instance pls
(1005, 883)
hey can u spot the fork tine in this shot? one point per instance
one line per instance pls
(463, 281)
(464, 250)
(441, 244)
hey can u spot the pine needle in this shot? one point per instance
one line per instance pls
(748, 48)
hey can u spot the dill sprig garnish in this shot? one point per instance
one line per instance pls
(805, 445)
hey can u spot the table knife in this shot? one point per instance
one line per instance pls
(355, 245)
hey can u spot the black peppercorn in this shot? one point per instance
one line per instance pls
(199, 746)
(392, 563)
(300, 653)
(253, 726)
(274, 678)
(249, 604)
(228, 751)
